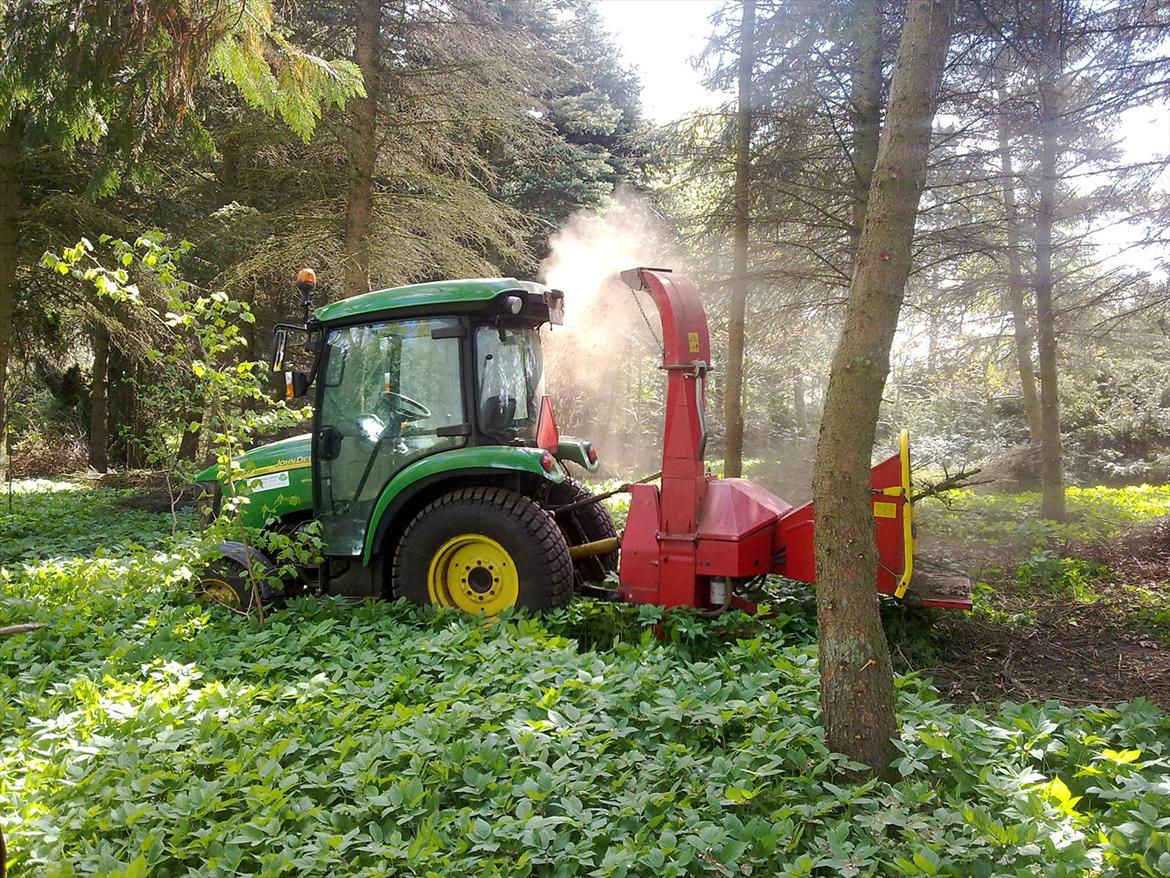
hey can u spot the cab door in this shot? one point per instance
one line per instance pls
(391, 393)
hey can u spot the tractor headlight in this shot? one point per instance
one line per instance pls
(513, 305)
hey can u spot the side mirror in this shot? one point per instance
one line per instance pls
(296, 384)
(279, 342)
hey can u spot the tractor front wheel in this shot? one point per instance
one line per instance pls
(483, 551)
(227, 580)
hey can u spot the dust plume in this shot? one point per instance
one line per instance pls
(601, 366)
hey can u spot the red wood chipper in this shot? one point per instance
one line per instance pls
(692, 540)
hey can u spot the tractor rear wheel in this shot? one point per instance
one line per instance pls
(484, 550)
(585, 524)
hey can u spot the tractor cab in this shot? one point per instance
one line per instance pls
(459, 367)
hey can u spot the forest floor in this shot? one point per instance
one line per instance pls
(142, 732)
(1081, 615)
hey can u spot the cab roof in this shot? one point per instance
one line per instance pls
(428, 295)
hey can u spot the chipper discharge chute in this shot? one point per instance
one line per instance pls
(696, 539)
(434, 470)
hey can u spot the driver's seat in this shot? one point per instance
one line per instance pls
(496, 413)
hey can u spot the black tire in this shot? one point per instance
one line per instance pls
(584, 525)
(225, 580)
(524, 530)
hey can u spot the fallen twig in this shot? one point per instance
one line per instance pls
(21, 629)
(964, 478)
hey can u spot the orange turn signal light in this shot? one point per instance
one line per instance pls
(547, 462)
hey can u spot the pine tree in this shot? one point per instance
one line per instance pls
(120, 72)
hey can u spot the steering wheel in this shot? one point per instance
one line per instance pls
(410, 409)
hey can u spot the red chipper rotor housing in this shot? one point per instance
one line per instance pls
(688, 541)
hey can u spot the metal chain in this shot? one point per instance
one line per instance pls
(654, 335)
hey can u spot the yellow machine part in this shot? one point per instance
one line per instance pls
(474, 573)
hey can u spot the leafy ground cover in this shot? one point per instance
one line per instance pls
(142, 733)
(46, 519)
(985, 524)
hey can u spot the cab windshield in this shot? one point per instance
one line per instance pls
(510, 382)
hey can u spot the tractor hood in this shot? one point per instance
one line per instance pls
(285, 454)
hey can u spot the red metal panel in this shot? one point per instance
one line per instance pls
(794, 542)
(733, 507)
(794, 531)
(736, 526)
(638, 570)
(746, 556)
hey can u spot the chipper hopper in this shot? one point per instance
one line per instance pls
(435, 470)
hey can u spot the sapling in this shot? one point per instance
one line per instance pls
(203, 332)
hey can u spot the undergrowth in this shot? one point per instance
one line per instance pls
(142, 733)
(46, 519)
(1012, 522)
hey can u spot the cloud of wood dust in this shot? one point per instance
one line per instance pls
(602, 365)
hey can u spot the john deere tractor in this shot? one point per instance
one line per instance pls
(433, 461)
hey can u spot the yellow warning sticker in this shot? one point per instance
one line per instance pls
(882, 509)
(693, 340)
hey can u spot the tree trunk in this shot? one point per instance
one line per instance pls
(10, 137)
(363, 147)
(1051, 468)
(857, 697)
(866, 89)
(121, 418)
(189, 443)
(741, 227)
(799, 408)
(99, 437)
(1021, 325)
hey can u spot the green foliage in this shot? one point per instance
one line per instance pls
(274, 75)
(135, 68)
(144, 733)
(206, 335)
(1012, 521)
(986, 606)
(59, 519)
(1072, 576)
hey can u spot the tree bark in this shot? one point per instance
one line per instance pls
(741, 229)
(1051, 458)
(363, 147)
(866, 89)
(1016, 283)
(99, 437)
(857, 697)
(10, 137)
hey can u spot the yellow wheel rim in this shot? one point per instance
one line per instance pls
(475, 574)
(218, 590)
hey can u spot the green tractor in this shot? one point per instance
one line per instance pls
(433, 466)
